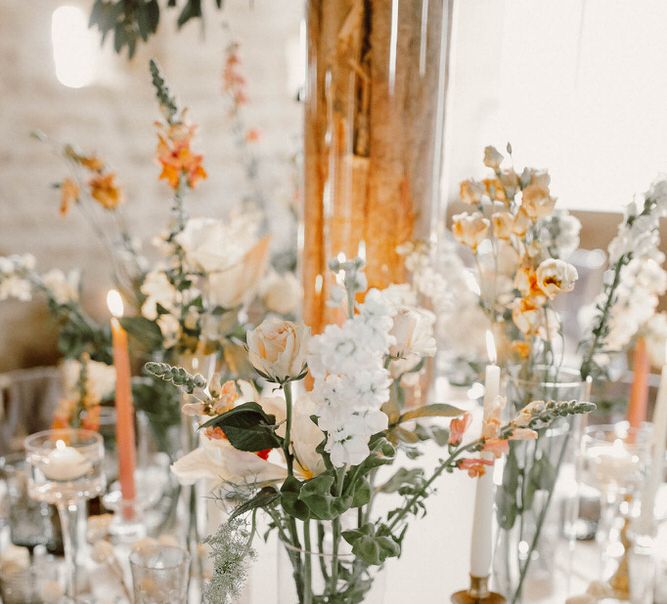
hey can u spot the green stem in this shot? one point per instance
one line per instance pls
(287, 389)
(307, 565)
(336, 533)
(320, 550)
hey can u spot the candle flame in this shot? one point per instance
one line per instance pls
(491, 347)
(115, 303)
(60, 445)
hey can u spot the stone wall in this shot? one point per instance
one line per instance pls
(115, 119)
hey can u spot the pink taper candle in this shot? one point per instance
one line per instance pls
(639, 392)
(125, 443)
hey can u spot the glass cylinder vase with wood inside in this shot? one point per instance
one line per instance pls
(374, 126)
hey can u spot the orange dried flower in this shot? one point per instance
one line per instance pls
(520, 349)
(105, 191)
(69, 192)
(475, 467)
(176, 157)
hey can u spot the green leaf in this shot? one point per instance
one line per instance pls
(191, 10)
(247, 427)
(263, 498)
(361, 493)
(402, 477)
(146, 332)
(289, 498)
(433, 410)
(405, 435)
(370, 547)
(317, 495)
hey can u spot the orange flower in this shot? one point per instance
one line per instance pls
(471, 192)
(91, 418)
(252, 136)
(520, 349)
(523, 434)
(497, 446)
(233, 82)
(215, 433)
(105, 191)
(93, 163)
(474, 466)
(69, 192)
(494, 189)
(176, 157)
(457, 428)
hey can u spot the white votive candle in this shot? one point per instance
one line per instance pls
(65, 463)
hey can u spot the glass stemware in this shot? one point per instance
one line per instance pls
(160, 574)
(66, 471)
(614, 462)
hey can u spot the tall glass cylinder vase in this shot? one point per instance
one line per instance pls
(193, 507)
(305, 575)
(536, 504)
(374, 126)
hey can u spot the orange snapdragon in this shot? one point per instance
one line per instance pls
(176, 156)
(475, 467)
(457, 428)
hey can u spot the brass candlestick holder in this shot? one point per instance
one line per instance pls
(478, 593)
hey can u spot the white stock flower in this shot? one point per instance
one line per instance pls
(559, 234)
(170, 328)
(280, 292)
(158, 290)
(101, 378)
(277, 349)
(63, 288)
(13, 287)
(655, 333)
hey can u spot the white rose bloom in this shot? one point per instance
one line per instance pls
(277, 349)
(212, 245)
(281, 292)
(63, 288)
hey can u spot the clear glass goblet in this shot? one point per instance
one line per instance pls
(66, 471)
(160, 573)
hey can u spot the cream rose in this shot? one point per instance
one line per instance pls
(555, 276)
(413, 332)
(470, 229)
(277, 349)
(280, 293)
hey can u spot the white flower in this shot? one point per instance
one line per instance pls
(281, 292)
(658, 192)
(212, 245)
(555, 276)
(492, 158)
(559, 234)
(413, 333)
(655, 332)
(470, 228)
(51, 591)
(101, 378)
(170, 328)
(14, 287)
(63, 288)
(158, 290)
(277, 349)
(13, 559)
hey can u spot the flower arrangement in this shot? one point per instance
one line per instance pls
(316, 461)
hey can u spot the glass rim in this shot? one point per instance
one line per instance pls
(135, 554)
(568, 383)
(626, 430)
(93, 438)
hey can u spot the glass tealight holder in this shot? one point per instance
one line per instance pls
(160, 573)
(66, 471)
(615, 459)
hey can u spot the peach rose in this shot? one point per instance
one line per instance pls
(502, 224)
(277, 349)
(470, 229)
(537, 201)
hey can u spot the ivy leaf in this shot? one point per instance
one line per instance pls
(262, 499)
(248, 428)
(433, 410)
